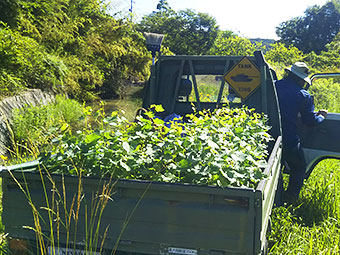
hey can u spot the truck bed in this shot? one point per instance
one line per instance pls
(150, 217)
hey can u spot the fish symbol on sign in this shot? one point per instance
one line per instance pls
(242, 78)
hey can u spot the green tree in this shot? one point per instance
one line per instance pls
(187, 32)
(314, 30)
(24, 63)
(100, 53)
(227, 43)
(163, 5)
(9, 11)
(328, 59)
(279, 53)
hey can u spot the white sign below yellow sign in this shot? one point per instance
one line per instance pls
(244, 77)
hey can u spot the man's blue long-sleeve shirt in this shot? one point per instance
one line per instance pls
(294, 100)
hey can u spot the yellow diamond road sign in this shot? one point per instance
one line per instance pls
(244, 77)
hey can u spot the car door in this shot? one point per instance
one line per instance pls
(322, 141)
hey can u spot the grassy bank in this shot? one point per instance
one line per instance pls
(311, 225)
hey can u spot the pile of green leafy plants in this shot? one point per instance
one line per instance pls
(225, 147)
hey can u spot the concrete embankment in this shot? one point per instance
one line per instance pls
(32, 97)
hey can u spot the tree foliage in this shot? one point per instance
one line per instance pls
(26, 63)
(228, 43)
(74, 46)
(79, 48)
(313, 31)
(279, 53)
(328, 59)
(163, 5)
(187, 32)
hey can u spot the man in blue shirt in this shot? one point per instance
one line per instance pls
(295, 102)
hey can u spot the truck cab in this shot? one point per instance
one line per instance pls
(181, 82)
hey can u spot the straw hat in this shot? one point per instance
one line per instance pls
(301, 70)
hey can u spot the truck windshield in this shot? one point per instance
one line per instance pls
(209, 87)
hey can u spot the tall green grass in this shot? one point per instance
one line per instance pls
(34, 122)
(312, 225)
(56, 218)
(326, 94)
(58, 215)
(36, 126)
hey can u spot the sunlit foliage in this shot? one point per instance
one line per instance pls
(69, 45)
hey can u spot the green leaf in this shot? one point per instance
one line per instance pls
(157, 108)
(125, 166)
(158, 121)
(92, 137)
(126, 147)
(212, 144)
(150, 115)
(184, 163)
(203, 151)
(64, 127)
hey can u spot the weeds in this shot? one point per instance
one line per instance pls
(326, 94)
(312, 226)
(34, 127)
(56, 218)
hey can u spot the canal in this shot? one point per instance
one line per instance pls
(128, 105)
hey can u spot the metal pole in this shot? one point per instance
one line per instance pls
(131, 6)
(260, 61)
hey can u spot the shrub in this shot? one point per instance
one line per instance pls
(9, 84)
(25, 63)
(280, 53)
(326, 94)
(234, 46)
(36, 126)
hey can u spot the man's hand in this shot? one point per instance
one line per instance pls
(323, 113)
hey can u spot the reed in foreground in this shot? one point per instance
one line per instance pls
(57, 223)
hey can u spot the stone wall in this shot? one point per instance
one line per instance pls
(31, 97)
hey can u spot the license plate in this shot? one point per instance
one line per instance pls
(182, 251)
(69, 251)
